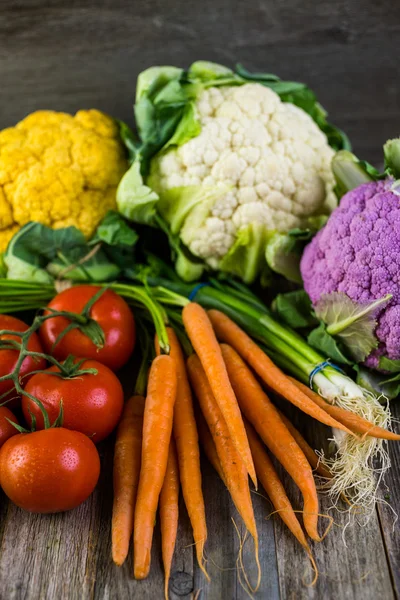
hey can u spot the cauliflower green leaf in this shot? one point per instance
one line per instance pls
(246, 257)
(391, 151)
(283, 257)
(135, 200)
(388, 364)
(353, 323)
(320, 339)
(39, 253)
(34, 246)
(376, 383)
(295, 309)
(114, 231)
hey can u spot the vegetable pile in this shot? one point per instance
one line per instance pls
(234, 180)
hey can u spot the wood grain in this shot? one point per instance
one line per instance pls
(389, 509)
(86, 53)
(351, 560)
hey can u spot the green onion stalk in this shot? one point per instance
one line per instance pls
(353, 465)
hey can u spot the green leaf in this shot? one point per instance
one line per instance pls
(176, 204)
(321, 340)
(352, 322)
(393, 379)
(387, 364)
(315, 223)
(350, 172)
(375, 383)
(295, 309)
(283, 256)
(114, 231)
(135, 200)
(161, 100)
(187, 266)
(83, 264)
(34, 246)
(247, 255)
(3, 268)
(207, 71)
(117, 240)
(153, 79)
(391, 151)
(304, 235)
(187, 269)
(129, 139)
(40, 253)
(257, 77)
(188, 127)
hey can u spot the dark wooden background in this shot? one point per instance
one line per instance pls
(80, 54)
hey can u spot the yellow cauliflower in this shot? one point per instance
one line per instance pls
(60, 170)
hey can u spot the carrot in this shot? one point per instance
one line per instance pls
(202, 337)
(233, 469)
(311, 456)
(271, 483)
(351, 420)
(208, 445)
(127, 457)
(169, 513)
(157, 427)
(227, 331)
(187, 445)
(260, 411)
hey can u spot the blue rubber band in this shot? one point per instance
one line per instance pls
(318, 368)
(196, 288)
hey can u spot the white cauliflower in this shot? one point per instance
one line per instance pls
(268, 157)
(230, 165)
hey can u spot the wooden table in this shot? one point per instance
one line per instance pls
(69, 55)
(68, 556)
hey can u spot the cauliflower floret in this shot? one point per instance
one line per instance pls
(357, 253)
(272, 157)
(59, 170)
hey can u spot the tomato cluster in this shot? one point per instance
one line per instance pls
(52, 469)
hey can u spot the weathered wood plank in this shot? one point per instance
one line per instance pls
(351, 562)
(223, 545)
(389, 513)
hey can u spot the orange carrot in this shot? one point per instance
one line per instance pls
(271, 483)
(157, 427)
(169, 513)
(351, 420)
(208, 444)
(187, 445)
(234, 471)
(260, 411)
(201, 334)
(311, 456)
(227, 331)
(127, 458)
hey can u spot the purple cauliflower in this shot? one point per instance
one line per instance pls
(358, 253)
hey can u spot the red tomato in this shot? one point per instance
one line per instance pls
(112, 314)
(49, 471)
(6, 429)
(8, 358)
(92, 403)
